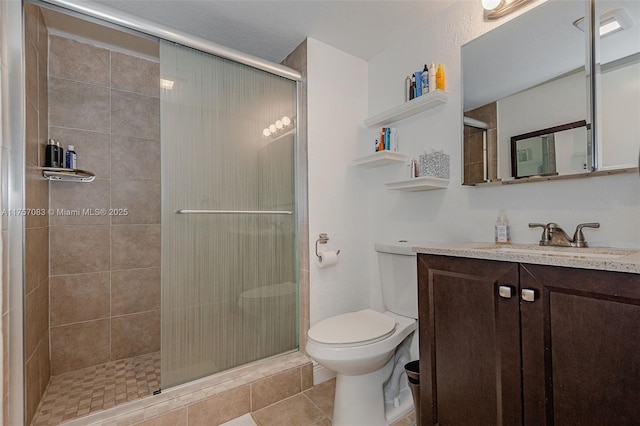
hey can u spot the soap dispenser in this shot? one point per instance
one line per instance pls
(502, 229)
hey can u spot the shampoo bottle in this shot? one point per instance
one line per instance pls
(71, 158)
(407, 88)
(440, 78)
(425, 80)
(418, 75)
(387, 138)
(51, 155)
(412, 87)
(432, 77)
(61, 162)
(502, 229)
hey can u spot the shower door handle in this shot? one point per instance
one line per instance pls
(187, 211)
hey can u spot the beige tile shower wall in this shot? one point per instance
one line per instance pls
(105, 269)
(37, 366)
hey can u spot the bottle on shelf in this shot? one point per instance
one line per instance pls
(440, 78)
(387, 138)
(61, 162)
(407, 88)
(432, 77)
(71, 158)
(412, 87)
(394, 139)
(425, 80)
(51, 155)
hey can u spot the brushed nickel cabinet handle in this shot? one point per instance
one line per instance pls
(528, 295)
(505, 291)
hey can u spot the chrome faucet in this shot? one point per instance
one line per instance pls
(553, 235)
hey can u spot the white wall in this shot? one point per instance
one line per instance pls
(337, 106)
(465, 213)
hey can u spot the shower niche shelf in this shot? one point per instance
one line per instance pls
(67, 175)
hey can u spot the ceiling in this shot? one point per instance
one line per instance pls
(272, 29)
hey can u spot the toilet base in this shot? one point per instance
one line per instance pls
(359, 400)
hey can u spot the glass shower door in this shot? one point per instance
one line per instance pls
(229, 292)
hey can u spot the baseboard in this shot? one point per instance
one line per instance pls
(321, 374)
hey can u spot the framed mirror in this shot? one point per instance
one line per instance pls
(554, 151)
(532, 74)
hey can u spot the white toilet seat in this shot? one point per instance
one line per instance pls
(353, 329)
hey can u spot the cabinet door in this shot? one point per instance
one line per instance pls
(469, 342)
(580, 347)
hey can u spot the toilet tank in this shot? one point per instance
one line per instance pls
(398, 270)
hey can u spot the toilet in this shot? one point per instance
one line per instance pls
(368, 349)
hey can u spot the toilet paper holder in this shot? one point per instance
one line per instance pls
(322, 239)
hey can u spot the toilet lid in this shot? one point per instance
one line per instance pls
(354, 327)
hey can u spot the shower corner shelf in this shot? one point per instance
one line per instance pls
(67, 175)
(380, 159)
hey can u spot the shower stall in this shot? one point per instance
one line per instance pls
(180, 259)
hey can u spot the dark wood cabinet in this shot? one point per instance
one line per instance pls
(565, 353)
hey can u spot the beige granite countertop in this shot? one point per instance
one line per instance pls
(605, 259)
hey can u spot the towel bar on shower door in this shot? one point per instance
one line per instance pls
(187, 211)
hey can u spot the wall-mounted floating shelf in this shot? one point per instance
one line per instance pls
(407, 109)
(67, 175)
(380, 159)
(422, 183)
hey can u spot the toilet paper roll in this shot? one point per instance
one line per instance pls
(327, 258)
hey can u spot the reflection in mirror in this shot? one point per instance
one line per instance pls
(618, 71)
(480, 145)
(532, 72)
(548, 152)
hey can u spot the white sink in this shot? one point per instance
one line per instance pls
(564, 252)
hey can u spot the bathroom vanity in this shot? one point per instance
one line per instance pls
(526, 335)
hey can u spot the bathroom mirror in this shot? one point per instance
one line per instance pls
(548, 152)
(531, 74)
(618, 81)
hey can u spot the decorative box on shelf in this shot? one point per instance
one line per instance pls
(435, 164)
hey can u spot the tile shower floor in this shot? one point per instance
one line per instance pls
(78, 393)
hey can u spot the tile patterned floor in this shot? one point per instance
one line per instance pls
(73, 395)
(313, 407)
(91, 389)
